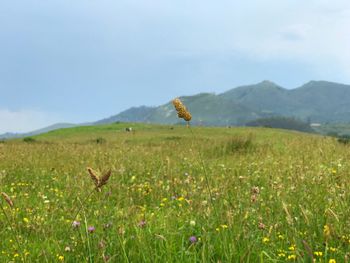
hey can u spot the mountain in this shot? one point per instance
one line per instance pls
(316, 101)
(36, 132)
(134, 114)
(323, 101)
(208, 109)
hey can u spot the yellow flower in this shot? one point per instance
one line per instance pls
(60, 258)
(326, 230)
(318, 253)
(292, 257)
(265, 240)
(181, 199)
(332, 261)
(292, 248)
(26, 220)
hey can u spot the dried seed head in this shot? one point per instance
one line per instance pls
(182, 112)
(255, 190)
(253, 198)
(105, 178)
(94, 177)
(99, 181)
(7, 199)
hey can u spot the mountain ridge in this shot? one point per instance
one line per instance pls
(315, 101)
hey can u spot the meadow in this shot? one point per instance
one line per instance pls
(175, 194)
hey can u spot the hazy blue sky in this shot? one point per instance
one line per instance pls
(76, 61)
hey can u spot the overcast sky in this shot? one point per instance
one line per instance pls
(83, 60)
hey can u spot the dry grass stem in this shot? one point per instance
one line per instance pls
(7, 199)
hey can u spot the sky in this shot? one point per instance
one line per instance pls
(84, 60)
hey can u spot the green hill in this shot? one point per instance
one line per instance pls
(316, 101)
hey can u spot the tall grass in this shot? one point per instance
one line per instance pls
(282, 197)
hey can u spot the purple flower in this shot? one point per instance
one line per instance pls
(76, 224)
(142, 223)
(193, 239)
(91, 229)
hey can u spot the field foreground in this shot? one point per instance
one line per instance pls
(175, 195)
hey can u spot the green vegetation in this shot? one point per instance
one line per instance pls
(281, 123)
(334, 130)
(29, 139)
(277, 196)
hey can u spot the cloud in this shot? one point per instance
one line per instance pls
(23, 120)
(89, 59)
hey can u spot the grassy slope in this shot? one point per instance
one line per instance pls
(158, 177)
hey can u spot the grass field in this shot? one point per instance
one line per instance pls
(175, 195)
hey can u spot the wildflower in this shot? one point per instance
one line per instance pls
(26, 220)
(292, 257)
(142, 223)
(75, 224)
(292, 248)
(192, 223)
(193, 239)
(265, 240)
(182, 112)
(261, 225)
(318, 253)
(332, 249)
(91, 229)
(326, 230)
(61, 258)
(181, 198)
(332, 260)
(67, 249)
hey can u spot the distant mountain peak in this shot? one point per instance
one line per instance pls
(267, 82)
